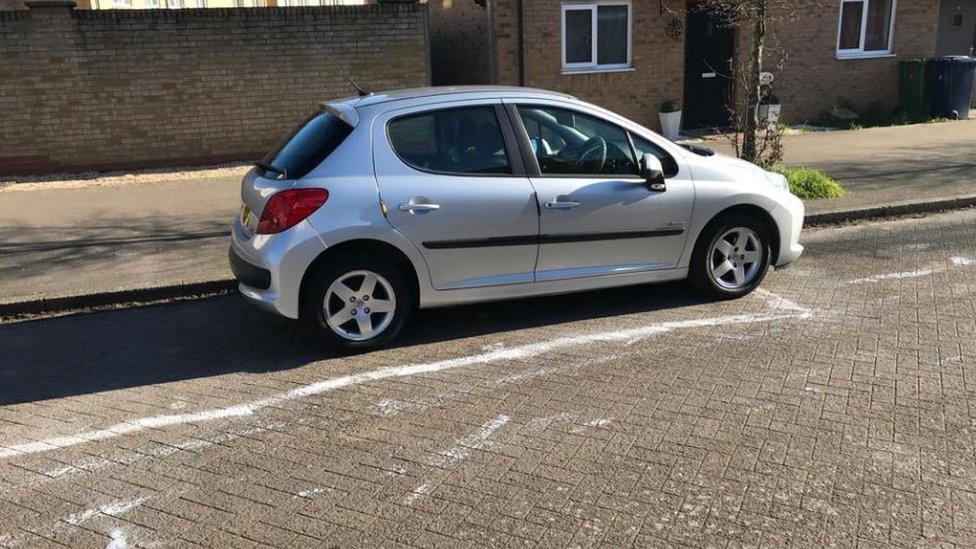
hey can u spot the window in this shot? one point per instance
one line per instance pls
(865, 28)
(152, 4)
(174, 4)
(308, 146)
(596, 36)
(570, 143)
(463, 141)
(668, 162)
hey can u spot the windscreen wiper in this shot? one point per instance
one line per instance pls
(269, 168)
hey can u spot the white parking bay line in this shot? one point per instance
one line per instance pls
(785, 310)
(955, 261)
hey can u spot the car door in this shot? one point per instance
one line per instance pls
(453, 184)
(598, 216)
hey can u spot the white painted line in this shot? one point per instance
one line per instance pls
(118, 540)
(462, 448)
(308, 493)
(416, 493)
(111, 509)
(893, 276)
(114, 510)
(328, 385)
(777, 301)
(956, 261)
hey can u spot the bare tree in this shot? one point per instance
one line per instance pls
(752, 139)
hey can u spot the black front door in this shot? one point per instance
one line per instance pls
(708, 68)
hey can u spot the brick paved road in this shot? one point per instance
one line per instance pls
(835, 407)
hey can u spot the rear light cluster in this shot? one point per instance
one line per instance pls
(286, 209)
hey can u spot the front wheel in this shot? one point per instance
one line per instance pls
(358, 302)
(731, 258)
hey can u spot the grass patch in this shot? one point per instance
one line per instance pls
(810, 183)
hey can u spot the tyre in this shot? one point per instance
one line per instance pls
(731, 257)
(358, 302)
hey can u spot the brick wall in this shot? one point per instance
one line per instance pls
(810, 78)
(458, 42)
(107, 89)
(813, 81)
(658, 61)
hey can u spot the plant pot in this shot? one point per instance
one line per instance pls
(671, 124)
(769, 113)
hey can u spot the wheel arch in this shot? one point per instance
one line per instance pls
(365, 246)
(753, 211)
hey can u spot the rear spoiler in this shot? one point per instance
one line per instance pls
(343, 111)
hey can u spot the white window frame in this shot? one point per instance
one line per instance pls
(593, 66)
(859, 52)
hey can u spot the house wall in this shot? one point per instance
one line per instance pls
(458, 42)
(110, 89)
(811, 81)
(658, 61)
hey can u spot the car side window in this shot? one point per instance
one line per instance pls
(668, 162)
(465, 140)
(567, 142)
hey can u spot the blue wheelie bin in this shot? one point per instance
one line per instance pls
(950, 86)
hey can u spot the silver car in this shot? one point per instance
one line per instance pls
(386, 202)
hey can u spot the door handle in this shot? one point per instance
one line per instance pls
(413, 208)
(709, 74)
(562, 205)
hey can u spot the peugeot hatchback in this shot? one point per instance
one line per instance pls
(379, 204)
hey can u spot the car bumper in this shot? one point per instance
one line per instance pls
(269, 268)
(790, 220)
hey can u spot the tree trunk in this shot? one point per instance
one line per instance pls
(750, 126)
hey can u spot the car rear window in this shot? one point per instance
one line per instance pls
(308, 146)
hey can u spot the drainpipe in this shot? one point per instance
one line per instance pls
(520, 20)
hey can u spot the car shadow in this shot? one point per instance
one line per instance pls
(108, 350)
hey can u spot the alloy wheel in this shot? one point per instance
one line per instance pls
(736, 258)
(359, 305)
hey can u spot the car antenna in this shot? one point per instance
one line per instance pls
(360, 91)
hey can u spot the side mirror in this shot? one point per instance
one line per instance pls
(653, 173)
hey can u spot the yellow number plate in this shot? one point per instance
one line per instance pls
(245, 216)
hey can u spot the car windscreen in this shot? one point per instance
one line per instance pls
(307, 146)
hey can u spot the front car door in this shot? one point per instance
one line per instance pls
(453, 184)
(598, 217)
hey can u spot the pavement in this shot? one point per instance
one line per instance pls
(65, 244)
(834, 406)
(887, 166)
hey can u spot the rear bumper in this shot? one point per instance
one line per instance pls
(248, 273)
(270, 268)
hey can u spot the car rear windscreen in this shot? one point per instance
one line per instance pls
(308, 146)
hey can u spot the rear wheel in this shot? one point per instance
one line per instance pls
(731, 257)
(358, 302)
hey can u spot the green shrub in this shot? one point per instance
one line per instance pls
(810, 183)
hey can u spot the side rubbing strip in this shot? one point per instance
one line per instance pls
(592, 237)
(483, 242)
(547, 239)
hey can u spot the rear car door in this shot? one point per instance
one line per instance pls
(454, 184)
(598, 217)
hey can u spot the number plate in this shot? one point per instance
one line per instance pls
(245, 218)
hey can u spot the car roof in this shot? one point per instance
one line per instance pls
(435, 93)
